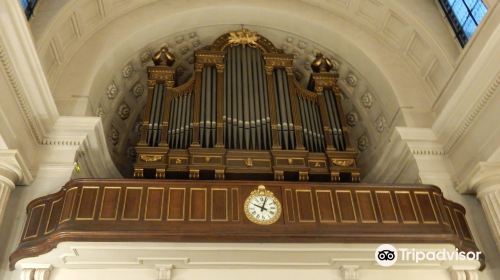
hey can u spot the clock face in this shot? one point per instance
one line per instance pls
(262, 207)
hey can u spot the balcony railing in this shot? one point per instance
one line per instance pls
(212, 211)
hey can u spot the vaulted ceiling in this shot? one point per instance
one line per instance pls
(394, 57)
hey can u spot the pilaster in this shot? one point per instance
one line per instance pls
(463, 273)
(349, 272)
(164, 271)
(13, 171)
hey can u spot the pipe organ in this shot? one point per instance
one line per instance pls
(243, 115)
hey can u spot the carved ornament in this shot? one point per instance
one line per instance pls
(151, 158)
(343, 162)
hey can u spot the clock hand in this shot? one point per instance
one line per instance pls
(257, 206)
(264, 204)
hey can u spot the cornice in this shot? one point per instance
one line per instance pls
(20, 96)
(24, 72)
(471, 116)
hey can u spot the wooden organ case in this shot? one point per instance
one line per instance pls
(243, 115)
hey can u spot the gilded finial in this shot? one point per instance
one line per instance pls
(243, 37)
(321, 64)
(163, 57)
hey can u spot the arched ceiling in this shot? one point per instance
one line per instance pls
(392, 65)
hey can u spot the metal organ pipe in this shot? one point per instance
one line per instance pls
(258, 142)
(213, 99)
(181, 122)
(234, 78)
(208, 122)
(311, 125)
(208, 106)
(246, 125)
(334, 116)
(154, 128)
(285, 123)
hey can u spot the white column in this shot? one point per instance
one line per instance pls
(490, 200)
(7, 184)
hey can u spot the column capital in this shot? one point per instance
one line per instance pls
(463, 273)
(39, 272)
(483, 178)
(13, 169)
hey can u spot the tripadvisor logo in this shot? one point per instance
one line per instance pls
(387, 255)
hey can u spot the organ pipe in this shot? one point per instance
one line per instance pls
(334, 117)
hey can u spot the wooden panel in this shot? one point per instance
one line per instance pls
(68, 205)
(462, 223)
(386, 207)
(109, 203)
(406, 207)
(219, 204)
(326, 210)
(87, 203)
(305, 206)
(366, 207)
(235, 204)
(132, 205)
(290, 209)
(34, 221)
(198, 204)
(450, 218)
(154, 204)
(54, 215)
(438, 200)
(176, 204)
(346, 206)
(426, 208)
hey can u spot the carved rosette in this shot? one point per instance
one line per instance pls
(127, 71)
(367, 100)
(112, 90)
(124, 111)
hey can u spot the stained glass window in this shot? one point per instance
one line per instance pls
(464, 16)
(28, 7)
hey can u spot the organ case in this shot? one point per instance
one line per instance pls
(243, 115)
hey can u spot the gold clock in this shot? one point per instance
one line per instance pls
(262, 207)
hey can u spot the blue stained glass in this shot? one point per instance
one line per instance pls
(479, 12)
(469, 27)
(470, 3)
(28, 7)
(464, 16)
(24, 4)
(460, 11)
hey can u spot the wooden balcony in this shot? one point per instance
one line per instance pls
(212, 211)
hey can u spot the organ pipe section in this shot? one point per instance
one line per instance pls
(284, 110)
(334, 118)
(246, 107)
(243, 115)
(208, 107)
